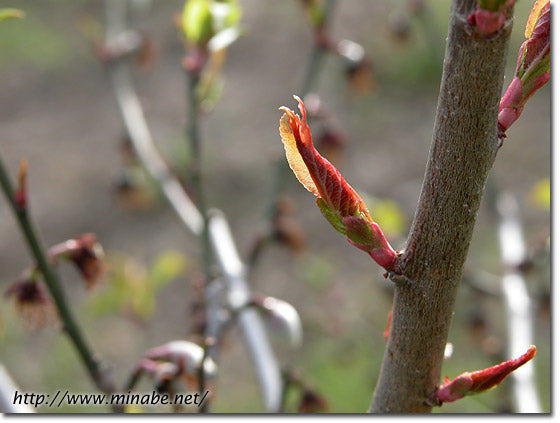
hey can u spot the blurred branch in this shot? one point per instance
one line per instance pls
(517, 301)
(248, 319)
(196, 179)
(7, 395)
(220, 238)
(99, 376)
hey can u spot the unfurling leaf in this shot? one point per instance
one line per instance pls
(470, 383)
(339, 203)
(533, 66)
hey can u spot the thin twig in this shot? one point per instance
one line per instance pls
(196, 179)
(256, 340)
(100, 377)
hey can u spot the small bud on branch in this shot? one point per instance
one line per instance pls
(470, 383)
(340, 204)
(490, 15)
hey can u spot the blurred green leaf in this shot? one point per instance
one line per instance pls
(167, 266)
(387, 214)
(196, 21)
(9, 13)
(132, 287)
(540, 194)
(204, 19)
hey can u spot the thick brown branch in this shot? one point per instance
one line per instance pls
(462, 152)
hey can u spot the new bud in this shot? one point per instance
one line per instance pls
(470, 383)
(337, 200)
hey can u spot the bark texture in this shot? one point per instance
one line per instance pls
(463, 150)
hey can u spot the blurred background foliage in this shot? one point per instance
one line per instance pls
(57, 110)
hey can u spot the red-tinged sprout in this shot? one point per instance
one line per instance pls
(32, 301)
(490, 21)
(510, 105)
(337, 200)
(20, 196)
(470, 383)
(533, 67)
(86, 254)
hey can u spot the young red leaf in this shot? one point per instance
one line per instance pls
(340, 204)
(533, 66)
(470, 383)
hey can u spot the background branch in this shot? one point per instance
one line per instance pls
(256, 340)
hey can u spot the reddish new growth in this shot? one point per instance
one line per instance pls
(340, 204)
(490, 21)
(533, 67)
(470, 383)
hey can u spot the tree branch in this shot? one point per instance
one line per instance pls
(463, 150)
